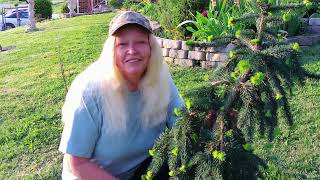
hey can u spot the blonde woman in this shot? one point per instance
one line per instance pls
(117, 108)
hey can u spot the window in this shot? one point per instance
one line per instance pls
(24, 14)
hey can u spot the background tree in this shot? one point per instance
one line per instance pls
(32, 21)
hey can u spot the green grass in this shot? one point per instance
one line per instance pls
(10, 2)
(32, 94)
(32, 91)
(56, 4)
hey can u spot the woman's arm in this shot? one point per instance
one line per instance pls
(86, 169)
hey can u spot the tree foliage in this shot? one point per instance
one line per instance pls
(246, 96)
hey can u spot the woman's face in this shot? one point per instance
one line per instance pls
(132, 51)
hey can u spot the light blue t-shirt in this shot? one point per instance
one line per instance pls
(120, 155)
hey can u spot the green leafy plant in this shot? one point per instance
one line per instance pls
(130, 5)
(172, 12)
(149, 9)
(144, 7)
(215, 22)
(114, 4)
(43, 9)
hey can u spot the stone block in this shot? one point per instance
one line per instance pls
(159, 40)
(165, 52)
(172, 44)
(292, 40)
(181, 54)
(315, 39)
(184, 46)
(168, 60)
(305, 41)
(217, 57)
(314, 29)
(211, 49)
(209, 56)
(200, 48)
(314, 22)
(196, 55)
(230, 47)
(184, 62)
(305, 21)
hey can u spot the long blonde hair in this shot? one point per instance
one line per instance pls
(154, 87)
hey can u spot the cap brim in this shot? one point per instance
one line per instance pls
(119, 26)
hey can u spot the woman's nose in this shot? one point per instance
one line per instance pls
(132, 49)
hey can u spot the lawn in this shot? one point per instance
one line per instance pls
(32, 93)
(56, 4)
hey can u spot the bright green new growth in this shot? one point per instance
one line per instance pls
(257, 78)
(152, 152)
(215, 142)
(188, 104)
(176, 111)
(243, 66)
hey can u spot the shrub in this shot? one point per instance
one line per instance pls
(131, 5)
(114, 4)
(43, 9)
(64, 8)
(172, 12)
(215, 21)
(294, 25)
(144, 7)
(149, 9)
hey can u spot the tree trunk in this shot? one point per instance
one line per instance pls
(32, 21)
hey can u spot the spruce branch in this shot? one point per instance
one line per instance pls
(286, 7)
(214, 142)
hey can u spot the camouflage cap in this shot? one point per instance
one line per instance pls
(129, 17)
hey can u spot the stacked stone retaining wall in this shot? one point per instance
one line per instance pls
(178, 52)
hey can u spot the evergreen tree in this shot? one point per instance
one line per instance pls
(246, 96)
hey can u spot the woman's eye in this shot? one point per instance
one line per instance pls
(122, 44)
(142, 42)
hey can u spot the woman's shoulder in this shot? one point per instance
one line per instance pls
(87, 83)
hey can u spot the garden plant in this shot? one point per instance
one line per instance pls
(247, 97)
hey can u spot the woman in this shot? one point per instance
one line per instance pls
(117, 108)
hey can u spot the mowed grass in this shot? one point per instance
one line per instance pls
(32, 90)
(9, 2)
(32, 94)
(57, 5)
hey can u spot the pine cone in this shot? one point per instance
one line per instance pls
(257, 47)
(192, 115)
(233, 116)
(210, 118)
